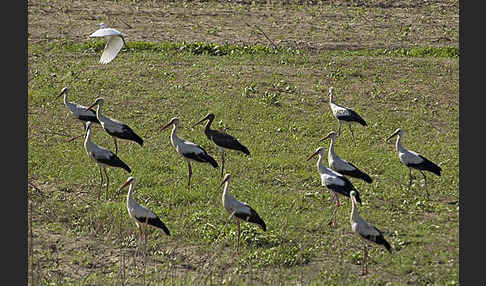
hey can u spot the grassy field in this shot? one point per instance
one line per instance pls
(396, 65)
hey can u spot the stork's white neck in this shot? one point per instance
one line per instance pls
(173, 136)
(65, 99)
(130, 191)
(320, 165)
(354, 211)
(87, 140)
(331, 147)
(398, 144)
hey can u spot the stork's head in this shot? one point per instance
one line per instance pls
(63, 91)
(209, 116)
(174, 121)
(398, 132)
(355, 196)
(331, 135)
(99, 101)
(88, 125)
(130, 180)
(319, 151)
(331, 91)
(226, 178)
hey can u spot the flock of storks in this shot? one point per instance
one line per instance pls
(334, 178)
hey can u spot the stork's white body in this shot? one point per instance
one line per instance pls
(140, 214)
(184, 147)
(115, 128)
(189, 151)
(329, 177)
(115, 42)
(414, 160)
(96, 152)
(102, 157)
(77, 110)
(135, 210)
(342, 166)
(367, 232)
(110, 125)
(406, 156)
(232, 205)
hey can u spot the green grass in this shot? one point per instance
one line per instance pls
(275, 102)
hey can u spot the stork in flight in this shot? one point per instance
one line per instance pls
(344, 114)
(342, 166)
(221, 139)
(140, 214)
(414, 160)
(334, 181)
(102, 157)
(241, 211)
(80, 112)
(114, 44)
(188, 150)
(115, 128)
(367, 232)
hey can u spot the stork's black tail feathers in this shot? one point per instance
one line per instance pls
(357, 173)
(253, 217)
(356, 117)
(114, 161)
(210, 160)
(428, 165)
(244, 150)
(159, 224)
(382, 241)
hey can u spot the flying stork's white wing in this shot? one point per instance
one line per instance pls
(105, 32)
(113, 46)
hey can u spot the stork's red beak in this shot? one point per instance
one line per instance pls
(312, 155)
(91, 106)
(200, 121)
(124, 185)
(327, 136)
(165, 127)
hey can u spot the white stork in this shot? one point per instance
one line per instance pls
(344, 114)
(334, 181)
(414, 160)
(239, 210)
(367, 232)
(102, 157)
(140, 214)
(342, 166)
(80, 112)
(221, 139)
(114, 127)
(114, 44)
(189, 151)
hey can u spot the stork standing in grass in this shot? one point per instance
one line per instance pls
(80, 112)
(367, 232)
(115, 128)
(414, 160)
(344, 114)
(342, 166)
(102, 157)
(221, 139)
(188, 150)
(239, 210)
(114, 44)
(140, 214)
(334, 181)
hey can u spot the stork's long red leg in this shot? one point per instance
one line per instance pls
(189, 173)
(222, 162)
(107, 183)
